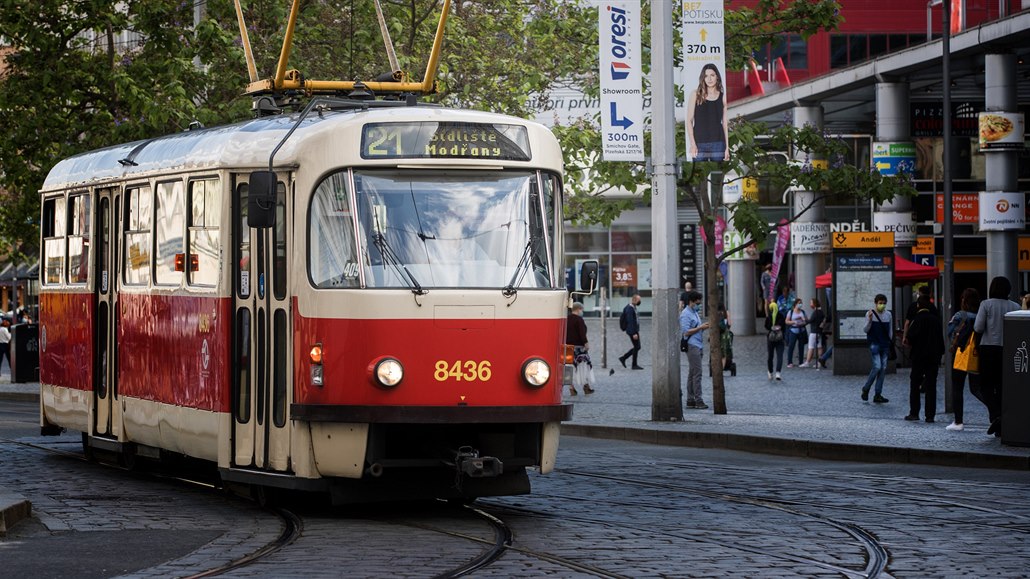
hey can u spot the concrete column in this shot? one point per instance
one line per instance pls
(893, 125)
(808, 265)
(741, 297)
(1002, 169)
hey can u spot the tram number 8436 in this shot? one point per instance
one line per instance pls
(462, 371)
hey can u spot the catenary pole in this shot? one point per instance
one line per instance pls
(665, 379)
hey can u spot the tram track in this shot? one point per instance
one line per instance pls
(292, 525)
(876, 554)
(907, 496)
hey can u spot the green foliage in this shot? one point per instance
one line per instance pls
(70, 87)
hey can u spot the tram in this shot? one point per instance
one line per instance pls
(365, 297)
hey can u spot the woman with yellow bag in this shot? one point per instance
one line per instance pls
(960, 330)
(988, 328)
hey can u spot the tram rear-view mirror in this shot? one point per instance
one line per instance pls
(588, 276)
(261, 199)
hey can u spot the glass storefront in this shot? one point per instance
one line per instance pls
(624, 256)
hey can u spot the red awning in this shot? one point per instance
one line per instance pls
(906, 272)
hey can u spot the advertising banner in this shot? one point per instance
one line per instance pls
(965, 208)
(808, 238)
(1001, 131)
(782, 237)
(704, 74)
(623, 276)
(733, 238)
(1002, 211)
(622, 100)
(894, 158)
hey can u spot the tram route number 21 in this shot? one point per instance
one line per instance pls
(462, 371)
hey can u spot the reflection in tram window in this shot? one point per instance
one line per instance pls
(169, 227)
(53, 230)
(204, 236)
(243, 365)
(421, 229)
(137, 236)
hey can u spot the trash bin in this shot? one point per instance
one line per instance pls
(1015, 379)
(25, 353)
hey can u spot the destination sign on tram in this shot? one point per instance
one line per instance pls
(442, 140)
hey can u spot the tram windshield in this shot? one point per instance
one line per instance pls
(426, 229)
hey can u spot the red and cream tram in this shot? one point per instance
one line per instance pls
(366, 298)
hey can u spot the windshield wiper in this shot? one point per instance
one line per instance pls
(389, 255)
(520, 271)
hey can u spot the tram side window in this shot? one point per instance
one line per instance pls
(332, 257)
(204, 234)
(53, 234)
(137, 236)
(79, 218)
(169, 226)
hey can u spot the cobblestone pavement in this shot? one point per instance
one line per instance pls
(611, 509)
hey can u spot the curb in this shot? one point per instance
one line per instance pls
(799, 448)
(20, 396)
(13, 508)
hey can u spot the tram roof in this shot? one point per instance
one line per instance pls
(241, 145)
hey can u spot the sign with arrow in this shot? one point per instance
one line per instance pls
(622, 100)
(894, 158)
(704, 74)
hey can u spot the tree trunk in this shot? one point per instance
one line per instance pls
(714, 331)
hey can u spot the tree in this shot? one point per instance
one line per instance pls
(747, 28)
(72, 84)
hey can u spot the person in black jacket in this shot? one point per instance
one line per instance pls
(927, 343)
(633, 331)
(776, 325)
(576, 336)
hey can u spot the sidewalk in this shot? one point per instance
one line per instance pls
(810, 413)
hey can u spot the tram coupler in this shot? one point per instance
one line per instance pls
(468, 462)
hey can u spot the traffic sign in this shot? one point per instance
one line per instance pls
(930, 260)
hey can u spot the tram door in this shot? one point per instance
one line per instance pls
(262, 334)
(105, 391)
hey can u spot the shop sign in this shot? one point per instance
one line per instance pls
(622, 99)
(1001, 131)
(1002, 211)
(928, 119)
(964, 208)
(901, 224)
(808, 238)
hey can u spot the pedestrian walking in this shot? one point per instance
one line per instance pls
(797, 319)
(879, 333)
(815, 336)
(576, 336)
(927, 347)
(988, 327)
(775, 325)
(691, 328)
(960, 327)
(5, 346)
(629, 322)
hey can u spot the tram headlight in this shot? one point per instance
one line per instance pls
(388, 372)
(536, 372)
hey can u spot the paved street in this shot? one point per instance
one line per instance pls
(612, 509)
